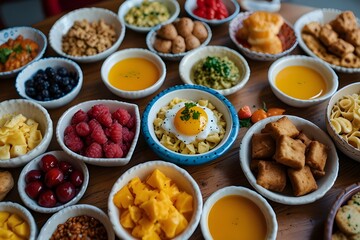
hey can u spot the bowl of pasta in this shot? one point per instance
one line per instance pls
(343, 120)
(190, 124)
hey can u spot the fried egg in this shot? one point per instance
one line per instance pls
(190, 121)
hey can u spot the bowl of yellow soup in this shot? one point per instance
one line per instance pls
(133, 73)
(238, 211)
(302, 81)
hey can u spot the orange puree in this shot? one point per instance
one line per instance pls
(300, 82)
(133, 74)
(236, 217)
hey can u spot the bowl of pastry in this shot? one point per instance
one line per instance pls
(333, 36)
(294, 175)
(263, 36)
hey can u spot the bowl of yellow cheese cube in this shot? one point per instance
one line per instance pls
(155, 200)
(16, 222)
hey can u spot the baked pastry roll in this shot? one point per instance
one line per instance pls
(271, 175)
(263, 145)
(282, 126)
(302, 180)
(290, 152)
(316, 155)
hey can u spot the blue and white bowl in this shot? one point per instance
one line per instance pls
(195, 93)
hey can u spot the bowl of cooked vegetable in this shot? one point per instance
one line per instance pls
(18, 47)
(216, 67)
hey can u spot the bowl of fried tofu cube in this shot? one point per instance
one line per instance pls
(289, 160)
(155, 200)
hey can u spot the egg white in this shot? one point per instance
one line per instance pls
(210, 128)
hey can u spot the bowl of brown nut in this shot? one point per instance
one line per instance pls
(87, 34)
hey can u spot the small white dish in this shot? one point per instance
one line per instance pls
(322, 16)
(34, 164)
(341, 144)
(261, 203)
(172, 5)
(72, 211)
(36, 112)
(62, 26)
(65, 121)
(55, 63)
(330, 77)
(182, 179)
(133, 53)
(313, 132)
(232, 6)
(260, 5)
(28, 33)
(23, 213)
(187, 63)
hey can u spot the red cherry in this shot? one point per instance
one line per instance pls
(48, 162)
(65, 192)
(77, 178)
(33, 175)
(65, 167)
(47, 198)
(53, 177)
(33, 189)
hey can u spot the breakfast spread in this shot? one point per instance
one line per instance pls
(154, 208)
(6, 183)
(282, 151)
(336, 42)
(12, 226)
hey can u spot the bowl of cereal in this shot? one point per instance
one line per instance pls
(135, 13)
(174, 40)
(216, 67)
(342, 119)
(100, 132)
(91, 220)
(276, 40)
(179, 202)
(189, 124)
(51, 82)
(21, 224)
(104, 34)
(31, 38)
(303, 173)
(29, 130)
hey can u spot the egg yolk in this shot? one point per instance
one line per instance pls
(190, 121)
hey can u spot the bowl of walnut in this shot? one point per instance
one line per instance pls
(87, 34)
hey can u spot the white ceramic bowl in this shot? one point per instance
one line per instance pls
(30, 71)
(28, 33)
(232, 6)
(172, 5)
(181, 178)
(62, 26)
(72, 211)
(253, 196)
(65, 121)
(23, 213)
(341, 144)
(34, 164)
(191, 59)
(330, 77)
(323, 16)
(313, 132)
(194, 93)
(36, 112)
(133, 53)
(150, 39)
(237, 23)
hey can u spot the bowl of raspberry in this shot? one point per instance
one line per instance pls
(100, 132)
(52, 181)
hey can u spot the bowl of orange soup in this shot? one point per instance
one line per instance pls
(302, 81)
(239, 213)
(133, 73)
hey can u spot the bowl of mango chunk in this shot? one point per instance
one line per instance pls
(155, 200)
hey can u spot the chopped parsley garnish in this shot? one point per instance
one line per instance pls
(4, 54)
(188, 113)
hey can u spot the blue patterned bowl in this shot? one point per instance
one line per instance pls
(194, 93)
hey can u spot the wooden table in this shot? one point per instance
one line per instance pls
(295, 222)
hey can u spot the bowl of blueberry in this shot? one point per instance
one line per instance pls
(52, 82)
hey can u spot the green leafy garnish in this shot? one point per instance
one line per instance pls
(245, 122)
(188, 113)
(4, 54)
(17, 48)
(220, 67)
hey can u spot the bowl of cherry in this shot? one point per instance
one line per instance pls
(52, 181)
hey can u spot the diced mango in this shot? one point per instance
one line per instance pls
(158, 180)
(182, 225)
(170, 224)
(145, 227)
(184, 202)
(14, 220)
(144, 195)
(125, 219)
(22, 230)
(151, 236)
(135, 213)
(5, 234)
(123, 198)
(172, 191)
(4, 217)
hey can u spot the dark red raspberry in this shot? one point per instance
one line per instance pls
(73, 142)
(98, 109)
(122, 116)
(112, 150)
(79, 116)
(128, 135)
(93, 123)
(94, 150)
(105, 119)
(125, 148)
(82, 129)
(131, 123)
(115, 132)
(69, 129)
(98, 135)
